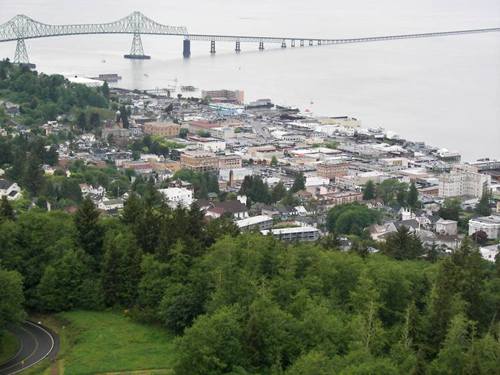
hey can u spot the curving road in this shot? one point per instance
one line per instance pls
(37, 342)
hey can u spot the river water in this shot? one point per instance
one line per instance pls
(444, 91)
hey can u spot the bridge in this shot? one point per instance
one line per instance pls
(21, 28)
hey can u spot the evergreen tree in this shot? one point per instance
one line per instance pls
(32, 178)
(94, 121)
(90, 233)
(403, 244)
(105, 90)
(369, 192)
(6, 210)
(81, 121)
(124, 117)
(278, 192)
(121, 271)
(299, 183)
(483, 206)
(412, 198)
(133, 210)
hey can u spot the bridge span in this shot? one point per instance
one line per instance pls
(21, 27)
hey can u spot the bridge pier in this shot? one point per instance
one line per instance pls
(283, 44)
(311, 43)
(319, 42)
(261, 46)
(186, 48)
(302, 43)
(212, 47)
(137, 51)
(238, 47)
(293, 42)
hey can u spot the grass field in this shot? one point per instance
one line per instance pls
(8, 346)
(108, 343)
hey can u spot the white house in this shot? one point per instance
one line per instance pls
(488, 224)
(178, 196)
(9, 189)
(446, 227)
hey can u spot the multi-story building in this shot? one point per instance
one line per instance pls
(260, 222)
(231, 161)
(488, 224)
(178, 196)
(162, 129)
(463, 181)
(199, 161)
(294, 233)
(336, 198)
(332, 170)
(224, 96)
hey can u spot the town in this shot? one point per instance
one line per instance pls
(270, 168)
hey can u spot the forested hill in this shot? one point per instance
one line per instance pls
(43, 97)
(250, 304)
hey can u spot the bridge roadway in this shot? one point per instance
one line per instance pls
(22, 27)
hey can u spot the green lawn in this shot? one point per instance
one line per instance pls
(8, 346)
(107, 343)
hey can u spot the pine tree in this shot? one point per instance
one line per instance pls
(299, 183)
(90, 233)
(412, 198)
(369, 191)
(483, 206)
(6, 210)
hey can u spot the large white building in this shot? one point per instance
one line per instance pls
(463, 180)
(488, 224)
(294, 233)
(260, 222)
(178, 196)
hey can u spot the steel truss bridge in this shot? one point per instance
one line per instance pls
(21, 27)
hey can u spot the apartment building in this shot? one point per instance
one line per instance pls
(162, 129)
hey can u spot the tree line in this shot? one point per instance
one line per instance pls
(250, 304)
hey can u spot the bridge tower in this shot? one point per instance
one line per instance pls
(212, 47)
(238, 47)
(136, 50)
(21, 55)
(261, 46)
(137, 22)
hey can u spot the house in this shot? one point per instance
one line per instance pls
(235, 209)
(446, 227)
(111, 205)
(9, 189)
(490, 252)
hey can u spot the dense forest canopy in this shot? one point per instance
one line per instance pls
(43, 97)
(249, 304)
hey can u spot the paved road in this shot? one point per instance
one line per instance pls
(37, 342)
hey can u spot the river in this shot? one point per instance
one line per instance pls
(444, 91)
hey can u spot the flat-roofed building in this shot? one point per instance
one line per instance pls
(224, 96)
(332, 169)
(162, 129)
(260, 222)
(488, 224)
(199, 161)
(231, 161)
(294, 233)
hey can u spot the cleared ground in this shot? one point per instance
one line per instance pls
(107, 343)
